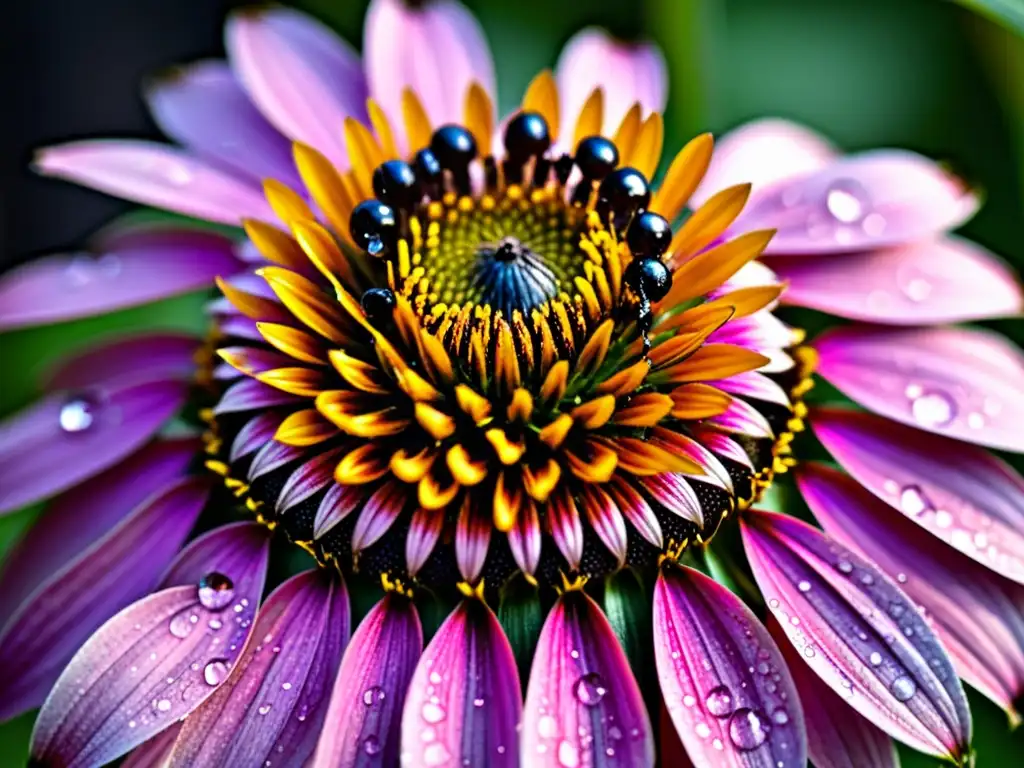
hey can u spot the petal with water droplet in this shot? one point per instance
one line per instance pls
(464, 694)
(837, 737)
(582, 699)
(362, 723)
(836, 609)
(932, 281)
(156, 174)
(960, 493)
(275, 698)
(723, 680)
(62, 440)
(978, 615)
(146, 668)
(958, 382)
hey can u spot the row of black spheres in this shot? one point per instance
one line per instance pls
(622, 199)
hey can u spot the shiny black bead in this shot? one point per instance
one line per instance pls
(597, 157)
(378, 303)
(649, 235)
(623, 192)
(428, 171)
(396, 184)
(526, 136)
(648, 276)
(453, 146)
(374, 226)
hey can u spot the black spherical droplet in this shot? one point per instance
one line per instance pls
(427, 166)
(374, 226)
(378, 303)
(395, 183)
(527, 136)
(596, 157)
(649, 235)
(649, 275)
(623, 193)
(453, 146)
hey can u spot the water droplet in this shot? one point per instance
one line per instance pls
(590, 689)
(371, 745)
(478, 702)
(286, 686)
(875, 658)
(435, 754)
(719, 701)
(547, 727)
(163, 705)
(432, 713)
(913, 500)
(374, 696)
(77, 414)
(215, 624)
(568, 755)
(374, 245)
(847, 201)
(903, 688)
(780, 716)
(943, 519)
(933, 409)
(215, 671)
(180, 626)
(748, 729)
(804, 586)
(702, 730)
(215, 591)
(845, 566)
(264, 709)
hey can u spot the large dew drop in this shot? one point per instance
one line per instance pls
(719, 701)
(77, 414)
(216, 591)
(590, 689)
(748, 729)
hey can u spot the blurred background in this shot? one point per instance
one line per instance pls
(938, 77)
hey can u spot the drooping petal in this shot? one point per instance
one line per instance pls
(442, 51)
(837, 737)
(859, 633)
(724, 682)
(157, 175)
(628, 73)
(274, 701)
(62, 440)
(362, 724)
(64, 609)
(128, 360)
(204, 108)
(960, 493)
(868, 200)
(959, 382)
(582, 699)
(150, 666)
(464, 696)
(933, 281)
(303, 78)
(978, 615)
(762, 153)
(77, 519)
(66, 287)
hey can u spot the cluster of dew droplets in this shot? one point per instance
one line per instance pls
(843, 209)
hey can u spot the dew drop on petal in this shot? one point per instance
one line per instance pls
(264, 709)
(77, 414)
(590, 689)
(903, 688)
(371, 745)
(875, 658)
(432, 713)
(846, 201)
(215, 591)
(435, 754)
(933, 409)
(568, 755)
(180, 626)
(748, 729)
(215, 672)
(547, 727)
(719, 701)
(804, 586)
(374, 696)
(780, 716)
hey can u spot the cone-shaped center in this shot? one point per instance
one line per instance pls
(509, 275)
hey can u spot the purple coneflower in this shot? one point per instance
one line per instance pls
(499, 385)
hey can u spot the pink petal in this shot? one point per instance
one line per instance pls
(606, 520)
(465, 694)
(336, 505)
(762, 153)
(155, 752)
(157, 175)
(977, 615)
(636, 510)
(723, 679)
(204, 108)
(251, 395)
(62, 440)
(836, 736)
(64, 609)
(582, 699)
(526, 538)
(273, 456)
(232, 548)
(275, 699)
(723, 445)
(742, 419)
(626, 72)
(58, 288)
(565, 527)
(674, 493)
(959, 493)
(442, 52)
(128, 360)
(934, 281)
(258, 431)
(714, 471)
(859, 633)
(303, 78)
(74, 521)
(147, 668)
(472, 540)
(959, 382)
(424, 532)
(378, 514)
(362, 724)
(311, 477)
(869, 200)
(755, 385)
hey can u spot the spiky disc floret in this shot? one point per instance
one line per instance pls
(491, 369)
